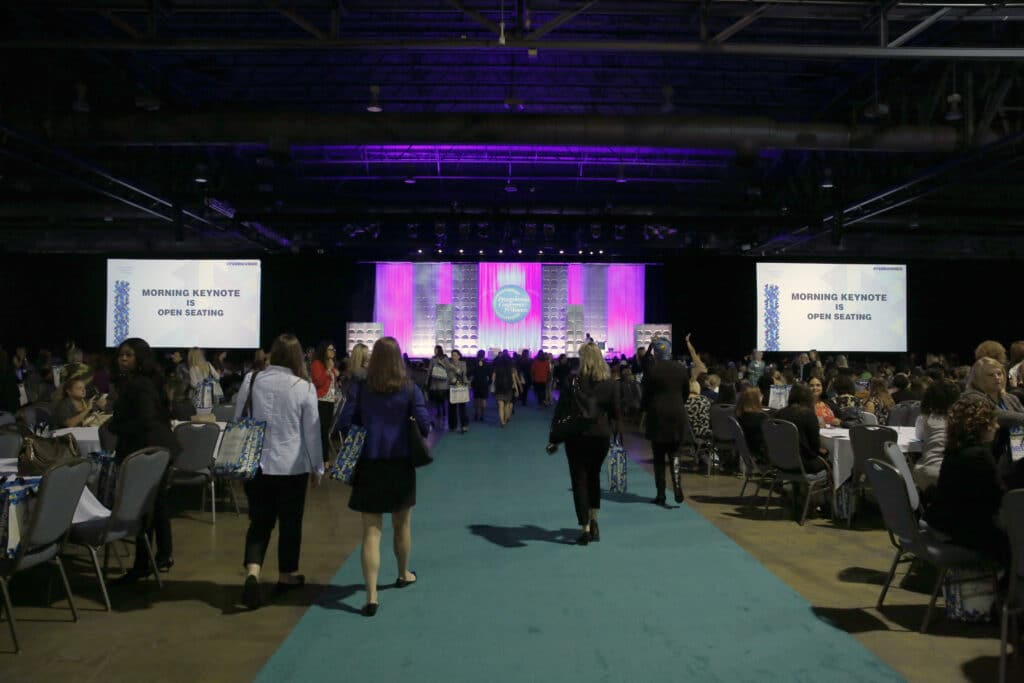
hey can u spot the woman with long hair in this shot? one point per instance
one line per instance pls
(800, 412)
(750, 415)
(879, 400)
(142, 419)
(387, 405)
(457, 413)
(505, 379)
(323, 372)
(283, 396)
(438, 373)
(930, 428)
(826, 418)
(480, 380)
(358, 361)
(200, 371)
(586, 452)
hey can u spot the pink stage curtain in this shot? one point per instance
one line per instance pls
(393, 301)
(494, 332)
(576, 292)
(625, 305)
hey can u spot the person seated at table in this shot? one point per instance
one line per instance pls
(800, 412)
(988, 378)
(991, 349)
(904, 391)
(698, 410)
(751, 416)
(73, 407)
(75, 367)
(931, 430)
(826, 418)
(969, 491)
(846, 396)
(879, 401)
(181, 405)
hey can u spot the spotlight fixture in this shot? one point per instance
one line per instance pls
(620, 232)
(419, 251)
(81, 103)
(440, 229)
(549, 231)
(540, 252)
(622, 175)
(520, 251)
(483, 230)
(374, 105)
(509, 187)
(481, 252)
(561, 251)
(595, 231)
(600, 251)
(953, 111)
(461, 252)
(826, 180)
(501, 251)
(440, 251)
(530, 230)
(413, 230)
(581, 252)
(202, 174)
(409, 181)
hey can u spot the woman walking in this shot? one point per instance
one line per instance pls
(586, 452)
(283, 396)
(665, 388)
(480, 379)
(388, 405)
(437, 376)
(323, 372)
(141, 419)
(505, 379)
(457, 413)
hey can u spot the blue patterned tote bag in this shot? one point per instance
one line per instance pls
(241, 445)
(344, 467)
(618, 466)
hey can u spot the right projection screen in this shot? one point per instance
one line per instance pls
(831, 307)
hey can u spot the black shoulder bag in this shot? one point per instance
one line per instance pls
(419, 451)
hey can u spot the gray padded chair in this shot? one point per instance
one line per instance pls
(192, 465)
(224, 412)
(867, 441)
(722, 437)
(910, 537)
(47, 527)
(782, 442)
(108, 441)
(1012, 514)
(897, 458)
(867, 418)
(904, 414)
(7, 419)
(137, 481)
(753, 469)
(10, 444)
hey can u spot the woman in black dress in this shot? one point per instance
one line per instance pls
(142, 419)
(480, 380)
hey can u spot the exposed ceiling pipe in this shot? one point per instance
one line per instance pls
(306, 128)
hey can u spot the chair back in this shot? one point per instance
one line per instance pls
(198, 446)
(721, 430)
(904, 414)
(867, 418)
(891, 491)
(897, 458)
(782, 443)
(10, 444)
(868, 441)
(1012, 514)
(137, 481)
(59, 491)
(224, 412)
(7, 419)
(739, 441)
(108, 440)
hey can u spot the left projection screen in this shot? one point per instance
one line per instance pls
(179, 303)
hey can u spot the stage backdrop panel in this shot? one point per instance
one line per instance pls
(516, 287)
(556, 292)
(465, 289)
(392, 302)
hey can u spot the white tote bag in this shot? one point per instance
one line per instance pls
(458, 393)
(779, 396)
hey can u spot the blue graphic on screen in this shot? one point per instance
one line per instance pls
(511, 304)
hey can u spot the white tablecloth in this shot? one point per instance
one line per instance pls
(840, 450)
(88, 506)
(88, 438)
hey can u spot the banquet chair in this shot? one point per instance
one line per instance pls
(10, 444)
(722, 437)
(137, 481)
(904, 414)
(108, 440)
(47, 527)
(1012, 516)
(193, 464)
(867, 441)
(753, 470)
(782, 442)
(7, 419)
(867, 418)
(911, 538)
(224, 412)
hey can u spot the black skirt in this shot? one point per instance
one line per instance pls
(381, 486)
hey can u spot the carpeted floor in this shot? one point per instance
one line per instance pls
(503, 596)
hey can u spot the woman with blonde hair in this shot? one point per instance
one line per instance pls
(282, 395)
(200, 372)
(358, 361)
(586, 451)
(879, 401)
(387, 405)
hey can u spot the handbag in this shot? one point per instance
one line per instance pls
(438, 372)
(241, 446)
(618, 466)
(458, 393)
(39, 454)
(344, 467)
(14, 497)
(419, 451)
(574, 414)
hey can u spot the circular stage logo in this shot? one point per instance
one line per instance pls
(511, 303)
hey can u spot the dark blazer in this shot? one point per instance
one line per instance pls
(751, 424)
(810, 438)
(905, 395)
(141, 417)
(666, 387)
(606, 395)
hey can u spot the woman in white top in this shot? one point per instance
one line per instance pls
(199, 372)
(283, 396)
(931, 430)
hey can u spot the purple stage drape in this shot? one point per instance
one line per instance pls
(494, 332)
(393, 301)
(625, 305)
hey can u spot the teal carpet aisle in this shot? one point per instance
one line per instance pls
(502, 597)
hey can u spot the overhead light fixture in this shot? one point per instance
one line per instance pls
(461, 252)
(481, 252)
(826, 180)
(600, 251)
(81, 103)
(374, 105)
(202, 174)
(953, 110)
(409, 181)
(501, 251)
(561, 251)
(667, 95)
(622, 175)
(540, 252)
(440, 251)
(595, 231)
(509, 187)
(419, 251)
(520, 251)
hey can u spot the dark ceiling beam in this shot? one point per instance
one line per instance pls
(476, 16)
(311, 128)
(741, 24)
(993, 105)
(122, 24)
(297, 19)
(562, 19)
(920, 28)
(812, 52)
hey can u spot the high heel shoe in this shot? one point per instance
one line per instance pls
(595, 533)
(583, 539)
(370, 609)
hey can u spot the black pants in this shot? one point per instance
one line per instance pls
(273, 497)
(326, 411)
(586, 454)
(462, 418)
(661, 451)
(540, 390)
(160, 526)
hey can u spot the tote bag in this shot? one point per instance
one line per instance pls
(458, 393)
(618, 464)
(344, 467)
(241, 445)
(14, 499)
(779, 396)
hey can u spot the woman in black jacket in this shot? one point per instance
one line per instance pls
(800, 412)
(142, 419)
(586, 452)
(666, 387)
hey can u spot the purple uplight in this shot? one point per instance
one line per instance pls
(625, 300)
(576, 290)
(496, 333)
(392, 299)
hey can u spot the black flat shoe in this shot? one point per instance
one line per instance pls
(130, 577)
(282, 587)
(678, 491)
(402, 583)
(659, 501)
(251, 592)
(584, 538)
(370, 609)
(164, 565)
(595, 533)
